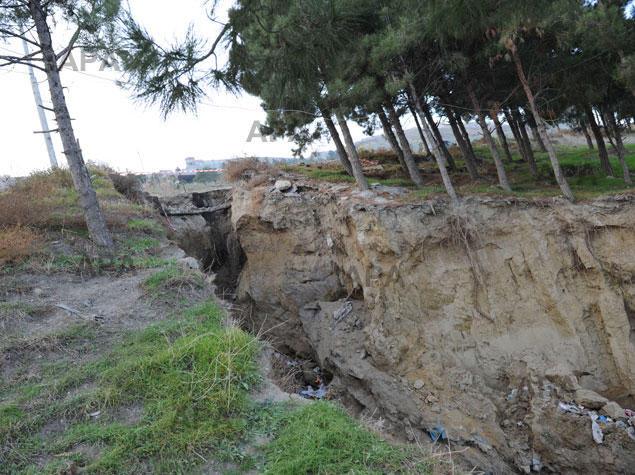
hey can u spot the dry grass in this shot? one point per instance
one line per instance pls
(248, 170)
(48, 201)
(17, 243)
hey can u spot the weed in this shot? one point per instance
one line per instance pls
(17, 243)
(322, 438)
(246, 169)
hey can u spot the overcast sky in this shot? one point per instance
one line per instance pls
(113, 129)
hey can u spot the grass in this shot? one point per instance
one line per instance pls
(19, 309)
(190, 375)
(321, 438)
(581, 165)
(169, 399)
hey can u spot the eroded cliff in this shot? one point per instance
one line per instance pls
(432, 316)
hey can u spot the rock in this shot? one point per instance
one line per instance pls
(613, 410)
(188, 263)
(563, 378)
(590, 399)
(418, 384)
(283, 185)
(38, 292)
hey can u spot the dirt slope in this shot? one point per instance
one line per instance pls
(479, 319)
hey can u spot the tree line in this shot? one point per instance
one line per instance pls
(318, 64)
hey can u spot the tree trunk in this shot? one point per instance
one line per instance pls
(439, 138)
(531, 158)
(516, 133)
(437, 151)
(608, 130)
(501, 134)
(542, 131)
(500, 169)
(617, 133)
(341, 150)
(469, 163)
(536, 136)
(466, 138)
(360, 179)
(97, 229)
(392, 140)
(597, 133)
(534, 130)
(423, 137)
(589, 141)
(415, 175)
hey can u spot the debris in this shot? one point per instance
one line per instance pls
(419, 384)
(628, 413)
(95, 414)
(598, 436)
(511, 395)
(572, 408)
(436, 433)
(329, 242)
(536, 464)
(631, 432)
(38, 292)
(321, 393)
(482, 444)
(342, 312)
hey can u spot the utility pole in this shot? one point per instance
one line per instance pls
(40, 109)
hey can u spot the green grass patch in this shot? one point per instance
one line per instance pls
(322, 438)
(190, 375)
(145, 225)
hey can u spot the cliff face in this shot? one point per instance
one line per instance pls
(431, 317)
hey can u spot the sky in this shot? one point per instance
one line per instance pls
(115, 129)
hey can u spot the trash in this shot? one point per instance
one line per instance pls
(94, 414)
(604, 418)
(572, 408)
(536, 464)
(419, 384)
(436, 433)
(321, 393)
(628, 412)
(482, 444)
(631, 432)
(621, 424)
(598, 436)
(511, 395)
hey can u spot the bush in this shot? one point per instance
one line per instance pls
(17, 243)
(48, 200)
(246, 169)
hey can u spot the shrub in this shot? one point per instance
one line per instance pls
(17, 243)
(48, 200)
(246, 169)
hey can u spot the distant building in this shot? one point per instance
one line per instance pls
(193, 164)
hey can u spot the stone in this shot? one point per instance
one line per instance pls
(563, 378)
(283, 185)
(188, 263)
(614, 410)
(590, 399)
(38, 292)
(418, 384)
